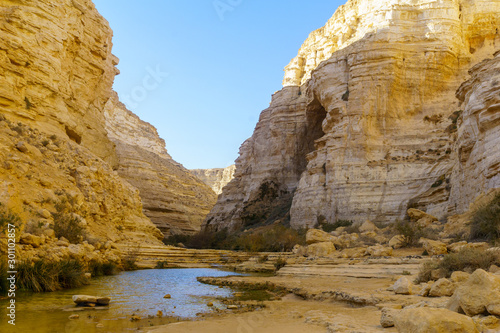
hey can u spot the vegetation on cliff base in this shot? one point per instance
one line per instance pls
(274, 238)
(467, 260)
(485, 224)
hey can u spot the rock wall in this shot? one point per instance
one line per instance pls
(57, 69)
(215, 178)
(366, 123)
(477, 167)
(175, 200)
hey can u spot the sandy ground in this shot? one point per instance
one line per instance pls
(290, 315)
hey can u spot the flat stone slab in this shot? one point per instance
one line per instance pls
(90, 300)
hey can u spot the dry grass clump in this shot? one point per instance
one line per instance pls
(485, 224)
(467, 260)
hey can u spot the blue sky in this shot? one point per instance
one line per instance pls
(215, 65)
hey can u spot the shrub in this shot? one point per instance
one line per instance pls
(100, 269)
(410, 231)
(280, 263)
(4, 284)
(485, 223)
(8, 217)
(68, 227)
(131, 256)
(328, 227)
(467, 260)
(161, 264)
(42, 275)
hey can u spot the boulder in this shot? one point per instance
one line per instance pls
(480, 291)
(432, 320)
(456, 247)
(417, 214)
(459, 277)
(320, 249)
(433, 247)
(425, 289)
(355, 252)
(103, 300)
(387, 317)
(345, 241)
(84, 299)
(397, 241)
(318, 236)
(379, 251)
(403, 286)
(442, 287)
(368, 226)
(29, 239)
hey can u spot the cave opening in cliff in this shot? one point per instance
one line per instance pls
(315, 114)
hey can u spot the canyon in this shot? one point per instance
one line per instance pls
(215, 178)
(378, 113)
(71, 151)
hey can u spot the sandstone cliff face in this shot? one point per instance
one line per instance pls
(57, 69)
(174, 199)
(56, 159)
(366, 124)
(477, 166)
(215, 178)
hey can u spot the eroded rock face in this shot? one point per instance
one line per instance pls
(215, 178)
(174, 199)
(367, 122)
(57, 70)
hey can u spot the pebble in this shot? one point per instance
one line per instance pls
(167, 296)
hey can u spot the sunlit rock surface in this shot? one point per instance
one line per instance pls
(368, 124)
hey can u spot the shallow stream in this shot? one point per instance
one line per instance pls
(137, 293)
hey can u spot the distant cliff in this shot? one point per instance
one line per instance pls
(368, 123)
(215, 178)
(174, 199)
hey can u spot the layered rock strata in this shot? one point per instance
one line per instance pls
(215, 178)
(367, 123)
(174, 199)
(57, 69)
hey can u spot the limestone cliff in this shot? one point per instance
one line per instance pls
(366, 124)
(56, 158)
(215, 178)
(174, 199)
(57, 69)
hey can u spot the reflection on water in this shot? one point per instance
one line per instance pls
(139, 292)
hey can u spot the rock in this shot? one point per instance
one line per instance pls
(320, 249)
(387, 317)
(379, 251)
(215, 178)
(442, 287)
(21, 147)
(103, 300)
(74, 316)
(476, 294)
(318, 236)
(159, 314)
(426, 288)
(232, 307)
(483, 323)
(355, 252)
(402, 286)
(50, 233)
(99, 325)
(135, 318)
(397, 241)
(368, 226)
(459, 277)
(494, 269)
(44, 213)
(167, 296)
(456, 247)
(432, 320)
(84, 299)
(433, 247)
(416, 215)
(29, 239)
(345, 241)
(210, 304)
(494, 308)
(88, 276)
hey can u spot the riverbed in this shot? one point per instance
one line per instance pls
(140, 293)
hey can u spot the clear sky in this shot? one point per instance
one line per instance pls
(201, 71)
